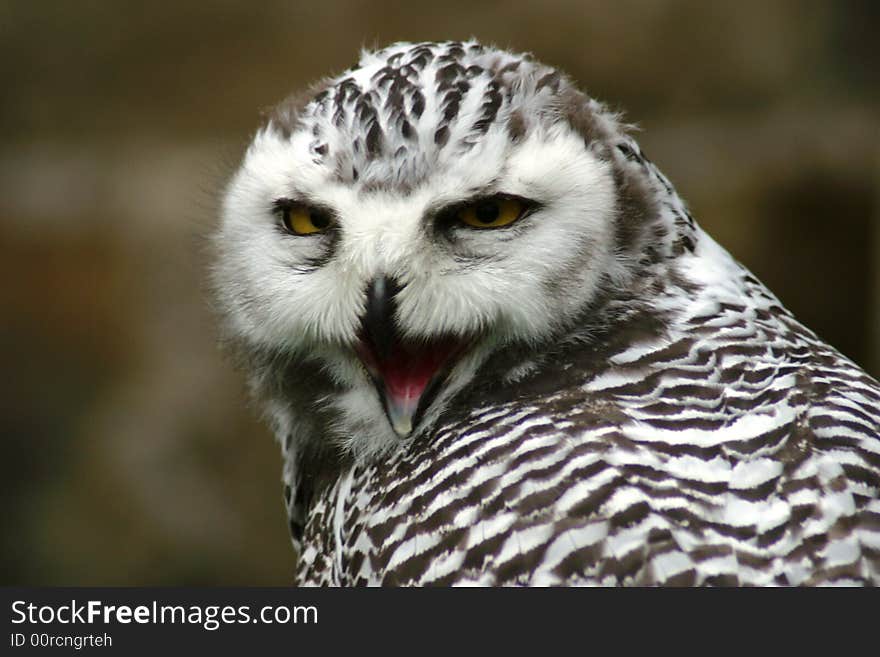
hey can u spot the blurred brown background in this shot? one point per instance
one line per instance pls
(129, 453)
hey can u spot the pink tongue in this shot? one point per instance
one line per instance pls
(409, 369)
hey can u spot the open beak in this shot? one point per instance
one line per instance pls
(407, 373)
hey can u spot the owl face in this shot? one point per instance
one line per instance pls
(394, 260)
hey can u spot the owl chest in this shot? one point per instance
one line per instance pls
(520, 498)
(682, 479)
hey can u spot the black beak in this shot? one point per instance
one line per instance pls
(408, 374)
(379, 323)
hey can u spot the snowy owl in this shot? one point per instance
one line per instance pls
(496, 349)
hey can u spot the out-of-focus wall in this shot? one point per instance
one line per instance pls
(128, 451)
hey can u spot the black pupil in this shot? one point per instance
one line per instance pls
(319, 220)
(487, 211)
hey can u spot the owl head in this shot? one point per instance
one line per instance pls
(434, 208)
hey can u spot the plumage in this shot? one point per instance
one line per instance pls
(501, 351)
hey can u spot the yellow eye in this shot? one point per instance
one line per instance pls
(492, 212)
(303, 220)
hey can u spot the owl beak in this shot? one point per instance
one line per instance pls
(401, 413)
(407, 374)
(378, 322)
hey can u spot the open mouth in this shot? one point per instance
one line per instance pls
(408, 374)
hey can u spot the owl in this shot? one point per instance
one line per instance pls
(496, 348)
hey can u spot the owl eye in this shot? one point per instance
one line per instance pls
(301, 219)
(492, 212)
